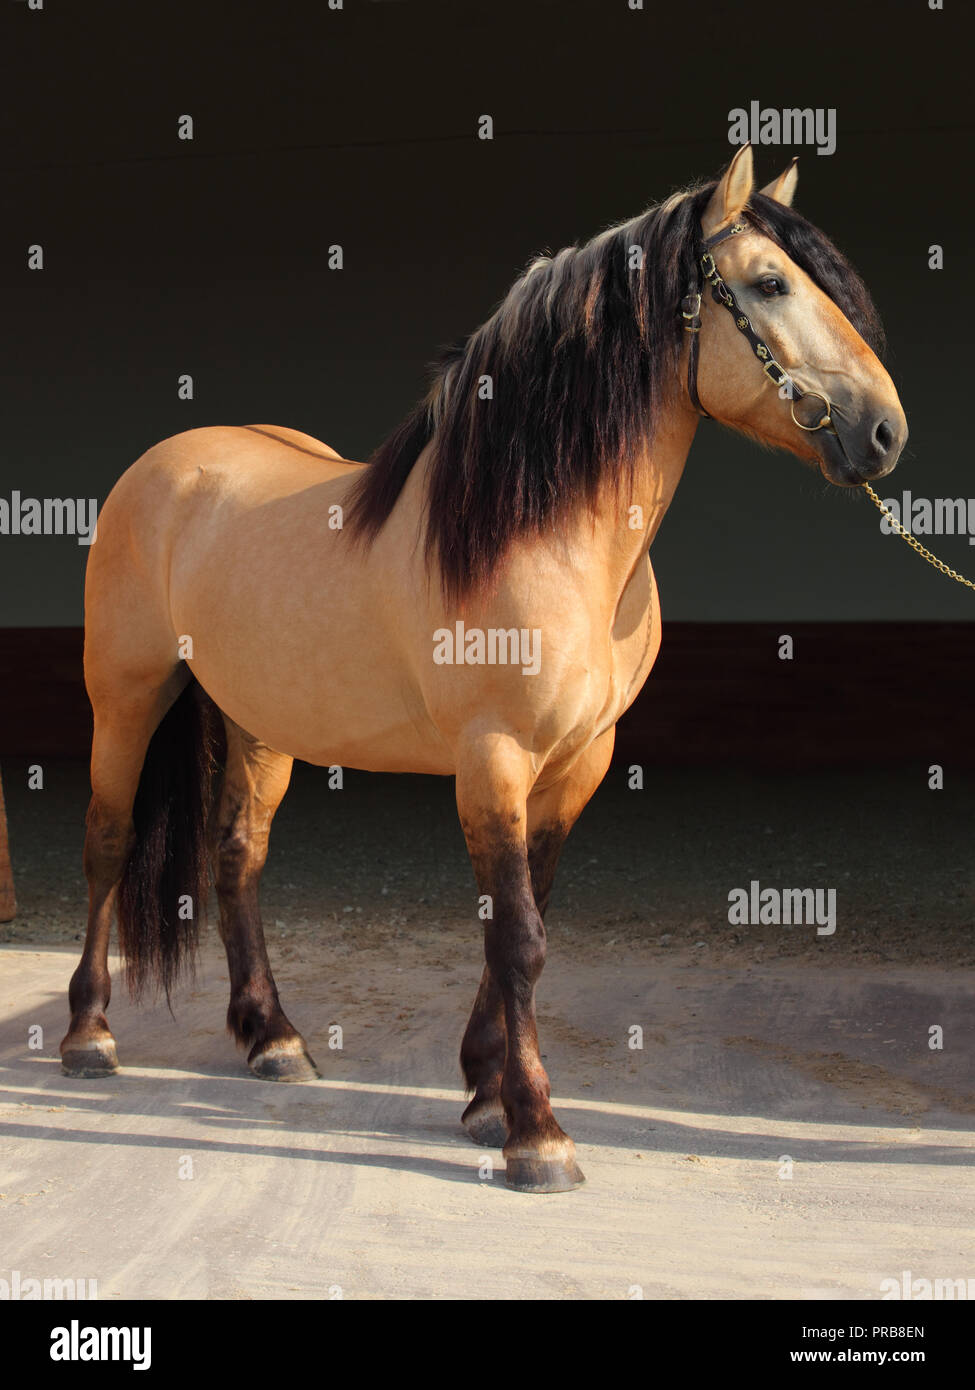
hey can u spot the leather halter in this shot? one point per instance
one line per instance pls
(721, 294)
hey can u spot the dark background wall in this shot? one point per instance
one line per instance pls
(358, 126)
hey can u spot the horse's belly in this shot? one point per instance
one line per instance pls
(299, 638)
(335, 686)
(335, 708)
(314, 672)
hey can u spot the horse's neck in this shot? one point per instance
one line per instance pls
(627, 524)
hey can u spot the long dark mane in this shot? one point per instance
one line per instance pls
(582, 358)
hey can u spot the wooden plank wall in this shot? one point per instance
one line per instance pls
(855, 693)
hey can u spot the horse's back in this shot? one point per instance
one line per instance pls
(241, 450)
(216, 468)
(295, 439)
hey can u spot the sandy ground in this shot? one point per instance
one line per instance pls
(363, 1181)
(185, 1176)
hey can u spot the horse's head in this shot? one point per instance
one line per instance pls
(776, 304)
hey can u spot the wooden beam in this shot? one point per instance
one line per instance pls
(8, 903)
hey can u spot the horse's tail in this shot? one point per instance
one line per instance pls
(163, 893)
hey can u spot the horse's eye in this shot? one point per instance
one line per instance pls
(770, 286)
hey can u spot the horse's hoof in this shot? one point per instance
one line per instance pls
(284, 1062)
(486, 1127)
(89, 1059)
(543, 1174)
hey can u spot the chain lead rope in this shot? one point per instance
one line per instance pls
(914, 543)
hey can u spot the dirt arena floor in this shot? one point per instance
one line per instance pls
(785, 1131)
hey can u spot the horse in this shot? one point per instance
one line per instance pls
(250, 585)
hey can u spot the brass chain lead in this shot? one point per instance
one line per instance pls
(914, 543)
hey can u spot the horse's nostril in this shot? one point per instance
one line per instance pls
(883, 436)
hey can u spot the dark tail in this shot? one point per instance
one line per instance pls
(163, 894)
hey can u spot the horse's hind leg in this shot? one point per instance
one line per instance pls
(123, 728)
(551, 814)
(255, 781)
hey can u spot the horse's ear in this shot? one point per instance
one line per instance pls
(732, 192)
(783, 189)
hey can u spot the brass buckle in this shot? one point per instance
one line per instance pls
(772, 366)
(824, 422)
(706, 260)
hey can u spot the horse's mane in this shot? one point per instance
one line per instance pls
(583, 356)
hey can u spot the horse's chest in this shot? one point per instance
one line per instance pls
(635, 641)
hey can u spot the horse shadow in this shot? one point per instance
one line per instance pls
(402, 1101)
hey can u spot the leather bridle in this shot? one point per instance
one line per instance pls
(721, 294)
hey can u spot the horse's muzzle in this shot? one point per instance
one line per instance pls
(863, 450)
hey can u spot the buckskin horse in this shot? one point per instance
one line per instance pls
(251, 574)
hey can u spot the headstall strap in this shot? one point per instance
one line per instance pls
(721, 294)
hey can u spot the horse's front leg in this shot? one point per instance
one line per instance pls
(493, 804)
(482, 1055)
(550, 815)
(485, 1044)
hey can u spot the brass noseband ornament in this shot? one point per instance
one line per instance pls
(824, 422)
(721, 294)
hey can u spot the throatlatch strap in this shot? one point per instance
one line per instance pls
(691, 311)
